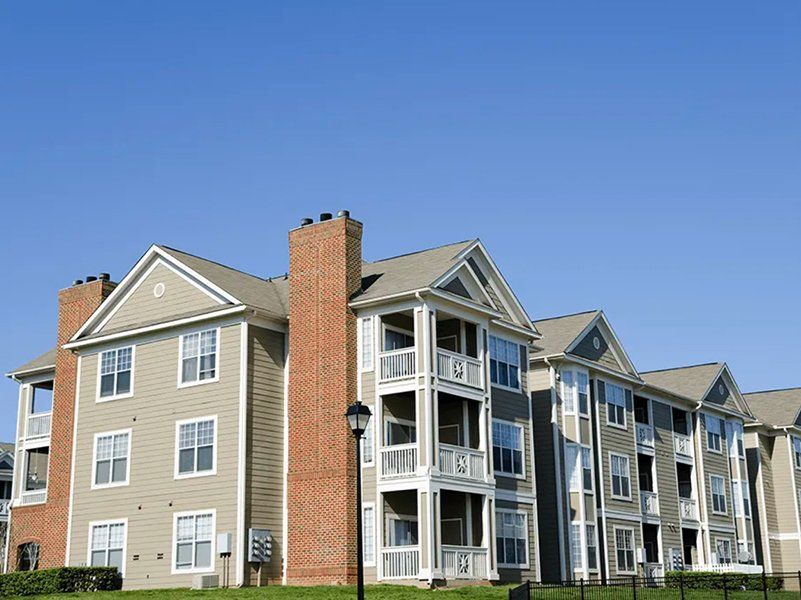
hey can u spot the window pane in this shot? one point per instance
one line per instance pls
(189, 372)
(513, 379)
(208, 363)
(190, 345)
(123, 382)
(205, 433)
(203, 556)
(102, 471)
(115, 559)
(186, 435)
(186, 461)
(120, 469)
(184, 559)
(205, 458)
(107, 385)
(99, 558)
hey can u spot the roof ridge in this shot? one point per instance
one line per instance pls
(787, 389)
(421, 251)
(708, 364)
(583, 312)
(219, 264)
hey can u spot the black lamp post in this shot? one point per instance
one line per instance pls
(358, 417)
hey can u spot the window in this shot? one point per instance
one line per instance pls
(797, 452)
(568, 392)
(368, 445)
(366, 339)
(572, 467)
(368, 534)
(624, 550)
(194, 540)
(735, 441)
(576, 546)
(507, 448)
(504, 362)
(592, 547)
(5, 490)
(199, 357)
(107, 545)
(586, 468)
(400, 431)
(28, 557)
(746, 498)
(116, 367)
(723, 549)
(735, 497)
(578, 461)
(36, 464)
(621, 479)
(615, 405)
(196, 441)
(718, 486)
(112, 458)
(712, 433)
(402, 530)
(583, 384)
(396, 339)
(511, 539)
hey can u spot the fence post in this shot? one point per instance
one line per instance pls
(634, 586)
(725, 588)
(581, 582)
(681, 584)
(799, 582)
(528, 589)
(764, 584)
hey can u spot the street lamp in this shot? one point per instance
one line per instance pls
(358, 417)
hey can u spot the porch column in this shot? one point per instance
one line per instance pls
(488, 535)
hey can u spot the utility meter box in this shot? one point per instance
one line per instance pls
(260, 545)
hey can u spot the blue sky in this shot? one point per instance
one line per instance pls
(640, 157)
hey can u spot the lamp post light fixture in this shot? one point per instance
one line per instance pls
(358, 418)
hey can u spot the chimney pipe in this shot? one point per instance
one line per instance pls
(306, 221)
(325, 217)
(343, 213)
(104, 276)
(90, 278)
(77, 282)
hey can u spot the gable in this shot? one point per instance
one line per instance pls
(724, 392)
(147, 302)
(719, 393)
(6, 466)
(602, 354)
(455, 286)
(798, 420)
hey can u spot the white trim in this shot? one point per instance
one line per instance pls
(111, 484)
(724, 513)
(130, 392)
(218, 347)
(72, 471)
(376, 545)
(92, 525)
(612, 494)
(517, 364)
(727, 540)
(195, 473)
(284, 491)
(522, 439)
(242, 452)
(615, 529)
(624, 425)
(720, 433)
(362, 321)
(174, 555)
(512, 511)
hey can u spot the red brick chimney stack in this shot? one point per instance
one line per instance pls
(325, 265)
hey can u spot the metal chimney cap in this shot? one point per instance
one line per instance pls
(306, 221)
(90, 278)
(325, 217)
(343, 213)
(103, 276)
(77, 281)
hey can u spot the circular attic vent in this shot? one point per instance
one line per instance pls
(596, 343)
(158, 290)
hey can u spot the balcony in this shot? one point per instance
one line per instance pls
(645, 435)
(649, 503)
(683, 445)
(33, 497)
(458, 368)
(653, 573)
(398, 461)
(400, 562)
(688, 509)
(38, 425)
(464, 562)
(396, 365)
(462, 463)
(5, 505)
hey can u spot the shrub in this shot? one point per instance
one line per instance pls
(64, 579)
(705, 580)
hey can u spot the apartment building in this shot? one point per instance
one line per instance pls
(628, 461)
(193, 400)
(773, 447)
(6, 479)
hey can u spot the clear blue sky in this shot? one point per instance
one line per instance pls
(642, 157)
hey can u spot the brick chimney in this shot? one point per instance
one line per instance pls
(324, 271)
(47, 523)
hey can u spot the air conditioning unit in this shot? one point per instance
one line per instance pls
(205, 582)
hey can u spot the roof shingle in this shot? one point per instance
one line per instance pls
(775, 407)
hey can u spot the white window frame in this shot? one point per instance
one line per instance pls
(736, 500)
(109, 522)
(745, 495)
(198, 381)
(573, 466)
(111, 484)
(368, 453)
(588, 466)
(193, 513)
(579, 375)
(592, 549)
(390, 420)
(712, 494)
(374, 547)
(366, 344)
(524, 514)
(607, 397)
(724, 541)
(718, 434)
(797, 452)
(569, 392)
(576, 558)
(390, 517)
(633, 551)
(522, 440)
(507, 364)
(407, 332)
(612, 476)
(737, 441)
(176, 458)
(115, 396)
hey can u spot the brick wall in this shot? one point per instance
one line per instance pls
(47, 523)
(325, 270)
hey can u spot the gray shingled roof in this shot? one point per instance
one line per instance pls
(6, 447)
(691, 382)
(775, 407)
(558, 333)
(40, 363)
(270, 295)
(409, 271)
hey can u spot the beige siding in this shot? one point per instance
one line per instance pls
(716, 464)
(370, 472)
(153, 494)
(142, 306)
(783, 486)
(666, 481)
(618, 441)
(265, 444)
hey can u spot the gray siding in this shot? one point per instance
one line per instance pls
(666, 480)
(529, 574)
(514, 407)
(618, 441)
(603, 355)
(716, 464)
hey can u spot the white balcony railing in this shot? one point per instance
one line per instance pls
(688, 509)
(459, 368)
(727, 568)
(398, 364)
(400, 562)
(399, 460)
(461, 562)
(654, 572)
(683, 444)
(4, 506)
(649, 503)
(464, 463)
(33, 497)
(38, 425)
(645, 435)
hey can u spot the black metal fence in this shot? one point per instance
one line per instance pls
(679, 585)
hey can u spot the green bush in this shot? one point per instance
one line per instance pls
(64, 579)
(705, 580)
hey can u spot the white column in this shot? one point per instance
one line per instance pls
(488, 535)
